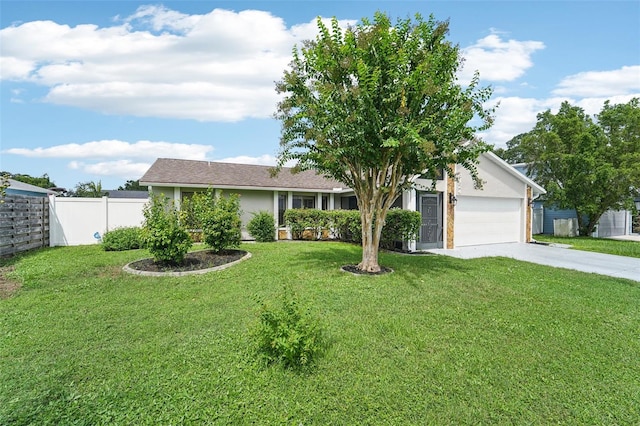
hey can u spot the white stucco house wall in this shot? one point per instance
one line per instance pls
(454, 214)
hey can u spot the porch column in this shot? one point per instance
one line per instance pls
(289, 206)
(450, 211)
(176, 197)
(409, 202)
(276, 208)
(318, 200)
(332, 201)
(528, 216)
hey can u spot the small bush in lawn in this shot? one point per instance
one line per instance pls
(166, 238)
(119, 239)
(262, 227)
(221, 226)
(288, 333)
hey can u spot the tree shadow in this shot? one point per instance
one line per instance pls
(409, 268)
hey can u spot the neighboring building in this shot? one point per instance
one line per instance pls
(611, 224)
(119, 193)
(454, 214)
(20, 188)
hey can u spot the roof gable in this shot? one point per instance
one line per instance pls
(537, 189)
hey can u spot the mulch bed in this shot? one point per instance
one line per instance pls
(193, 261)
(355, 270)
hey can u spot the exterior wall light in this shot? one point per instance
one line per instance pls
(452, 199)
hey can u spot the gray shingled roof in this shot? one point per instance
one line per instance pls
(21, 186)
(167, 171)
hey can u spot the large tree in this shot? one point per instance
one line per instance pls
(512, 154)
(375, 105)
(585, 164)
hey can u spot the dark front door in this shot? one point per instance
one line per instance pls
(430, 208)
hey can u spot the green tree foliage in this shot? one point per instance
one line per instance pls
(194, 209)
(376, 105)
(222, 225)
(89, 189)
(4, 184)
(166, 238)
(513, 153)
(42, 181)
(586, 165)
(132, 185)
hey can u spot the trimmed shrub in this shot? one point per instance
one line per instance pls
(222, 225)
(287, 333)
(399, 225)
(166, 238)
(307, 223)
(346, 225)
(262, 227)
(120, 239)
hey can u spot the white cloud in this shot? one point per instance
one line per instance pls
(497, 59)
(219, 66)
(120, 168)
(514, 116)
(115, 149)
(623, 81)
(519, 115)
(261, 160)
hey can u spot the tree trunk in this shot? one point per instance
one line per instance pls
(371, 233)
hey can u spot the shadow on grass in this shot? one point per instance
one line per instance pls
(13, 259)
(411, 268)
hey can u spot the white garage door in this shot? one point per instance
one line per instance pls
(486, 220)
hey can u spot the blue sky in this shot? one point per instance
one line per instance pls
(97, 90)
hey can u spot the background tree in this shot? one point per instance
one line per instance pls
(513, 153)
(4, 184)
(586, 165)
(42, 181)
(89, 189)
(376, 105)
(132, 185)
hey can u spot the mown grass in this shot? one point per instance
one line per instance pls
(600, 245)
(439, 341)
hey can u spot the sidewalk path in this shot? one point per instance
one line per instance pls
(585, 261)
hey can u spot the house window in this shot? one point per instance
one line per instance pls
(325, 202)
(282, 207)
(304, 202)
(349, 203)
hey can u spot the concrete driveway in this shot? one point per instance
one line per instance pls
(559, 257)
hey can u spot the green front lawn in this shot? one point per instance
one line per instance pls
(600, 245)
(440, 341)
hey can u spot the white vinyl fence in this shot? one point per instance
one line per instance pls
(80, 221)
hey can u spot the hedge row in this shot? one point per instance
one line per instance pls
(400, 225)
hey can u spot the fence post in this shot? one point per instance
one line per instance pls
(53, 237)
(105, 205)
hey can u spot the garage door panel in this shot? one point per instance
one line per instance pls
(487, 220)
